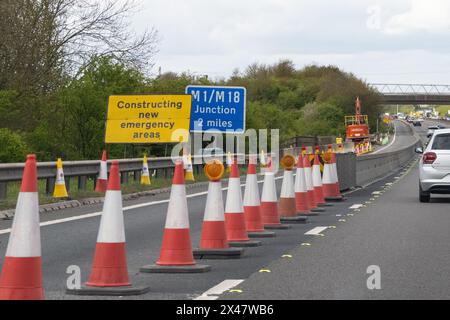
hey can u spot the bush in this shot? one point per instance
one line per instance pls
(13, 148)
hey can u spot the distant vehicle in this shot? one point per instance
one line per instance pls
(417, 123)
(431, 129)
(401, 116)
(434, 166)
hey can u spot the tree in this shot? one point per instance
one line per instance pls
(13, 147)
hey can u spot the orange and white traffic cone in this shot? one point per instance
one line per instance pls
(301, 189)
(287, 206)
(252, 205)
(337, 187)
(109, 275)
(213, 241)
(236, 230)
(21, 277)
(102, 180)
(269, 203)
(60, 190)
(313, 207)
(317, 182)
(176, 251)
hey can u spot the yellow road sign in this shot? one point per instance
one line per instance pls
(148, 118)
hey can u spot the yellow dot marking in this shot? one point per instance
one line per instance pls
(305, 244)
(265, 271)
(235, 291)
(287, 256)
(332, 227)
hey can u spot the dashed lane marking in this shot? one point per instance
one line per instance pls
(216, 291)
(316, 231)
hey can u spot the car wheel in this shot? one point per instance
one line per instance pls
(423, 196)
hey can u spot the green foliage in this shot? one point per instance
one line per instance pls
(70, 121)
(13, 148)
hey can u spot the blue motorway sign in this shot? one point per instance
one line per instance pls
(218, 109)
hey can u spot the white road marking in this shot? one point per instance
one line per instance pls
(142, 205)
(316, 231)
(389, 145)
(376, 193)
(215, 292)
(356, 206)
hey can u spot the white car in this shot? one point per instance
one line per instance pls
(434, 166)
(431, 130)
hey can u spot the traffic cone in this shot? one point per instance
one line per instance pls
(213, 241)
(336, 177)
(301, 189)
(176, 251)
(189, 169)
(109, 275)
(145, 176)
(102, 180)
(310, 186)
(287, 206)
(317, 182)
(21, 277)
(252, 205)
(229, 162)
(269, 203)
(60, 190)
(236, 231)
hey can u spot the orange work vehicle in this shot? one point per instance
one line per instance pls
(357, 126)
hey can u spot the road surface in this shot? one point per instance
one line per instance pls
(408, 240)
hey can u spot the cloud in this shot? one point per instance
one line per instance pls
(214, 37)
(423, 15)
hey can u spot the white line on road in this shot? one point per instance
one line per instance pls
(215, 292)
(316, 231)
(142, 205)
(390, 144)
(356, 206)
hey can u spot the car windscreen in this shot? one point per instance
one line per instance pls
(441, 142)
(432, 128)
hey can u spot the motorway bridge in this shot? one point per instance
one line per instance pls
(415, 94)
(382, 225)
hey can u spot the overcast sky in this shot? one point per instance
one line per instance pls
(405, 41)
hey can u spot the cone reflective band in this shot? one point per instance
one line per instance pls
(145, 176)
(317, 181)
(301, 190)
(287, 198)
(102, 180)
(328, 180)
(21, 277)
(337, 187)
(309, 183)
(269, 201)
(109, 268)
(234, 210)
(176, 249)
(60, 190)
(252, 201)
